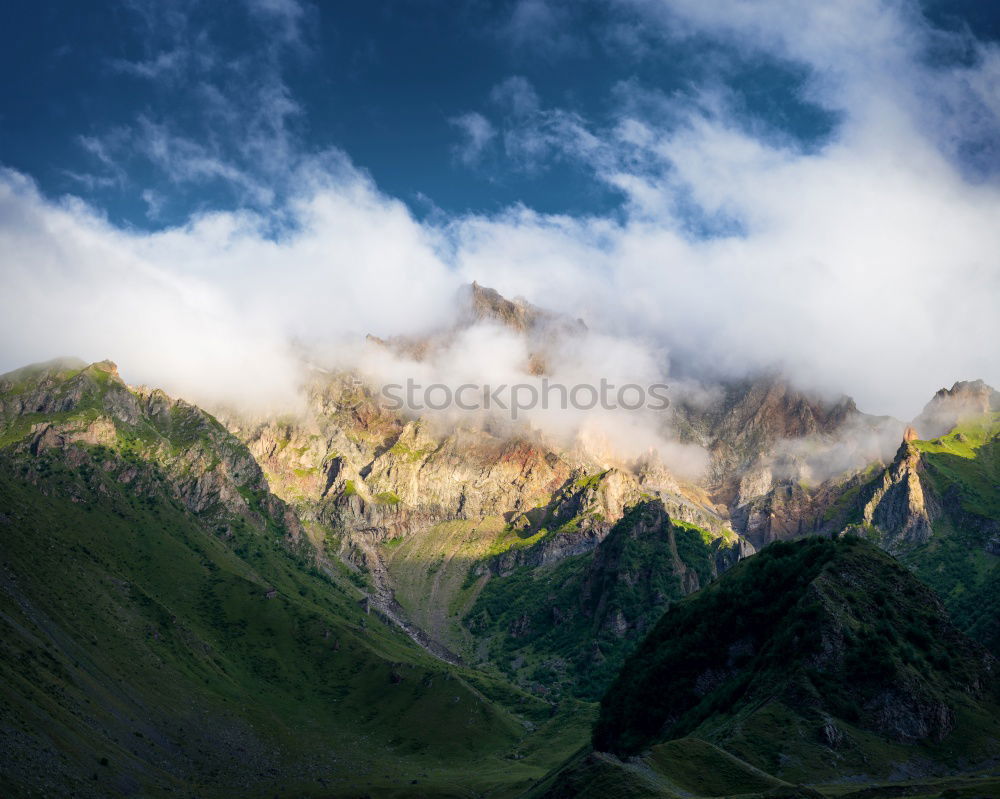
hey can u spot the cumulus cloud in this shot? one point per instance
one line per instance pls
(213, 309)
(842, 264)
(866, 264)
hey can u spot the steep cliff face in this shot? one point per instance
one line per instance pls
(742, 421)
(785, 511)
(348, 460)
(901, 506)
(784, 462)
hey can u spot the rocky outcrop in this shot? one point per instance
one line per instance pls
(949, 407)
(901, 506)
(583, 512)
(145, 438)
(543, 331)
(481, 304)
(743, 421)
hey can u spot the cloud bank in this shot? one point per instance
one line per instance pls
(867, 263)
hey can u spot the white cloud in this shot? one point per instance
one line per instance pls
(163, 64)
(478, 133)
(211, 310)
(533, 137)
(868, 265)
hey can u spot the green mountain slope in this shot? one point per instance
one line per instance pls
(165, 629)
(812, 660)
(937, 507)
(568, 626)
(962, 560)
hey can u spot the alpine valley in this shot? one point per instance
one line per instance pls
(349, 600)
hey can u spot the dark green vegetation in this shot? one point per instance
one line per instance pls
(819, 661)
(961, 560)
(813, 660)
(681, 768)
(568, 627)
(162, 629)
(167, 626)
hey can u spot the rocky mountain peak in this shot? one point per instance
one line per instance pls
(746, 419)
(965, 399)
(483, 304)
(543, 330)
(899, 507)
(106, 367)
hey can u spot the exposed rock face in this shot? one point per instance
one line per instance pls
(609, 598)
(480, 304)
(206, 468)
(785, 512)
(781, 457)
(900, 506)
(790, 509)
(747, 418)
(542, 330)
(585, 510)
(948, 407)
(353, 465)
(466, 474)
(755, 482)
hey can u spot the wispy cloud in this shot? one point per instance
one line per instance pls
(478, 134)
(532, 137)
(543, 29)
(228, 115)
(288, 16)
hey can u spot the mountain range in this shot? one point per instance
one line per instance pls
(350, 600)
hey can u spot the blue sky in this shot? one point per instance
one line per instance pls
(191, 187)
(100, 85)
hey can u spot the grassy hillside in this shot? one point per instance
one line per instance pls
(812, 660)
(430, 574)
(962, 560)
(148, 647)
(568, 627)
